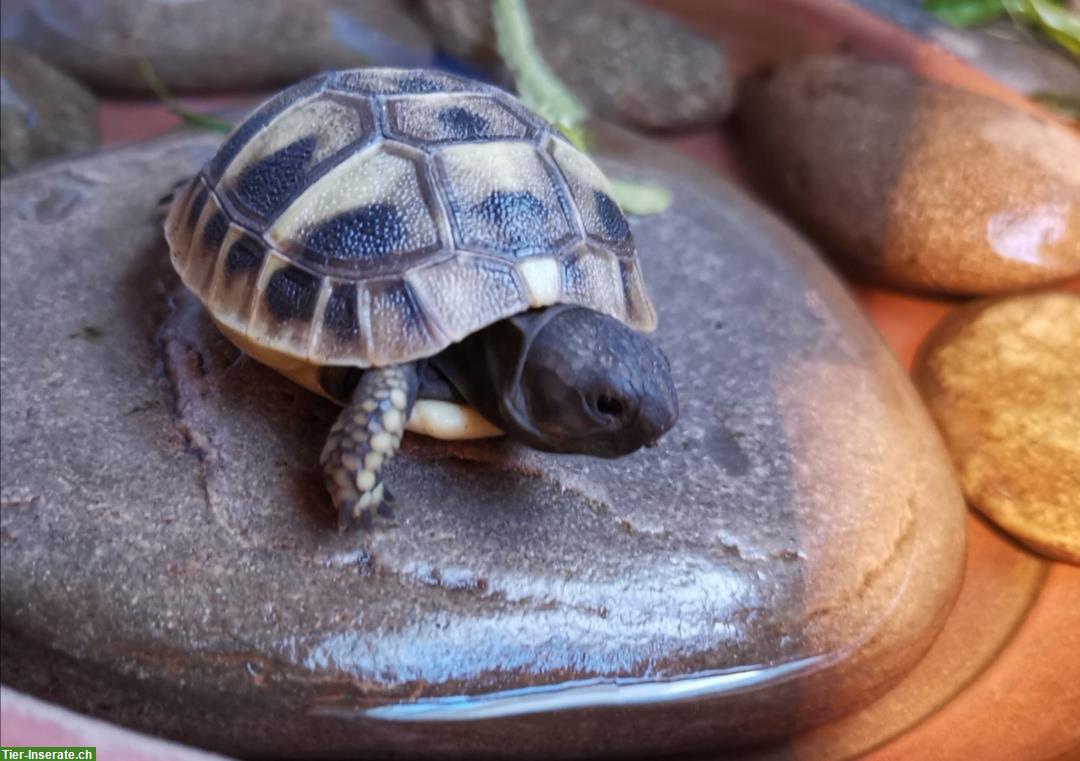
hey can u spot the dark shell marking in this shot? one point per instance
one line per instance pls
(462, 124)
(214, 231)
(373, 216)
(368, 233)
(265, 185)
(245, 254)
(291, 293)
(340, 315)
(514, 219)
(611, 217)
(257, 121)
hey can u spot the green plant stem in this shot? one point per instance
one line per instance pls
(541, 90)
(537, 85)
(192, 118)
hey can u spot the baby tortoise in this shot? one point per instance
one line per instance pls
(382, 236)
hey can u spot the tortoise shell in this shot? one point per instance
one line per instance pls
(373, 217)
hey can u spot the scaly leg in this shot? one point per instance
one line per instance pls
(365, 436)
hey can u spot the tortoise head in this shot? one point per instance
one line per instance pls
(587, 384)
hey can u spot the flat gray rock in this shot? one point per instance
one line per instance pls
(628, 63)
(203, 46)
(170, 559)
(44, 113)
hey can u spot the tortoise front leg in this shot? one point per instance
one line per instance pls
(365, 436)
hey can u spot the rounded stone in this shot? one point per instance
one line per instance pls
(914, 184)
(170, 560)
(627, 63)
(1002, 380)
(43, 112)
(204, 46)
(1011, 55)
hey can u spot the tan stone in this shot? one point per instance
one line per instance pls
(915, 184)
(1002, 379)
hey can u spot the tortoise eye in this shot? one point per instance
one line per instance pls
(609, 406)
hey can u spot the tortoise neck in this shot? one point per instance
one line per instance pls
(485, 369)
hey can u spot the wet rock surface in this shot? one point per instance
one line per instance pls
(627, 63)
(205, 46)
(913, 184)
(170, 559)
(43, 112)
(1001, 378)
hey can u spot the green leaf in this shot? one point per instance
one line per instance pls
(965, 13)
(536, 83)
(640, 198)
(191, 118)
(1058, 23)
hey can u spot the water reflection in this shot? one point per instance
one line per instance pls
(1021, 234)
(587, 694)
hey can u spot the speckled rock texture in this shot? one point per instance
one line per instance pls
(205, 46)
(1002, 380)
(628, 63)
(914, 184)
(43, 113)
(170, 560)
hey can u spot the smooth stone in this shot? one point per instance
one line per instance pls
(204, 46)
(914, 184)
(43, 112)
(1002, 380)
(1011, 54)
(170, 560)
(629, 64)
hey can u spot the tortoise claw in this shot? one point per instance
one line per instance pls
(345, 515)
(350, 515)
